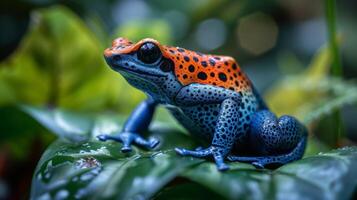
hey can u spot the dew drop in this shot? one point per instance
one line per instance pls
(88, 162)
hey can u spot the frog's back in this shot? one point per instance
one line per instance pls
(194, 67)
(216, 70)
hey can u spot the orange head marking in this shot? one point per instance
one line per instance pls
(125, 46)
(190, 66)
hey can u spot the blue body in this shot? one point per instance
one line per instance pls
(238, 125)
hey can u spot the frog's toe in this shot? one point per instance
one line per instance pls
(128, 139)
(126, 149)
(118, 138)
(258, 165)
(198, 148)
(202, 153)
(153, 143)
(106, 137)
(258, 162)
(230, 158)
(223, 167)
(102, 137)
(219, 159)
(180, 151)
(233, 158)
(196, 153)
(149, 144)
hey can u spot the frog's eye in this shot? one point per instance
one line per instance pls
(149, 53)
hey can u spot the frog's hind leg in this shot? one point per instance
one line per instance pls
(280, 140)
(263, 161)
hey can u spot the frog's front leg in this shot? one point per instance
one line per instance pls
(227, 130)
(138, 121)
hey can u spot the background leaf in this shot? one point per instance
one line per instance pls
(60, 63)
(295, 95)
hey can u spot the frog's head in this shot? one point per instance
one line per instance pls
(162, 71)
(145, 65)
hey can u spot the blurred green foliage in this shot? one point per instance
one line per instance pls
(312, 93)
(59, 64)
(138, 30)
(300, 90)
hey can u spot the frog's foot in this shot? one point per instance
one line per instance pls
(262, 162)
(258, 162)
(128, 138)
(198, 148)
(215, 152)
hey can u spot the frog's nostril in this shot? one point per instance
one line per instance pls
(112, 59)
(116, 58)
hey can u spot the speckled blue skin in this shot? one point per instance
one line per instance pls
(238, 125)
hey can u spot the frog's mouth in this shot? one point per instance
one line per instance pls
(137, 72)
(131, 67)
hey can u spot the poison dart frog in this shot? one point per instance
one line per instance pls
(211, 97)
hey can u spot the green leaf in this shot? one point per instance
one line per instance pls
(325, 176)
(331, 173)
(91, 169)
(74, 127)
(187, 190)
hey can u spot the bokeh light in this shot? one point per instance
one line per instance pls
(310, 35)
(211, 34)
(257, 33)
(178, 22)
(129, 10)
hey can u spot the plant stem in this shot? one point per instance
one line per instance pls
(332, 38)
(336, 69)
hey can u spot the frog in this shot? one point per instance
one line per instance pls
(211, 97)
